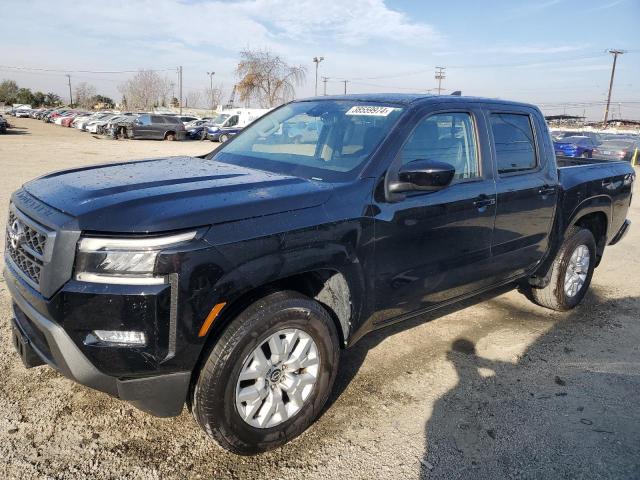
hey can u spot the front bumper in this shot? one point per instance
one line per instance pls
(38, 337)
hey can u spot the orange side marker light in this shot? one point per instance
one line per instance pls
(215, 311)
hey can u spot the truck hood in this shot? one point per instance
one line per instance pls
(171, 194)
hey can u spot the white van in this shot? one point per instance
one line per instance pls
(230, 121)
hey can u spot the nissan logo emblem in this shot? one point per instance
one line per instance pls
(16, 234)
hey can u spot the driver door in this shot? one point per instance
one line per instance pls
(434, 246)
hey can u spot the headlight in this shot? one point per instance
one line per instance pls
(126, 261)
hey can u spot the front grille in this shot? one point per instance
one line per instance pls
(25, 244)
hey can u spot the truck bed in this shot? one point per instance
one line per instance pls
(564, 162)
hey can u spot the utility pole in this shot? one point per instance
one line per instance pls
(211, 74)
(345, 85)
(615, 54)
(440, 75)
(324, 81)
(180, 86)
(70, 96)
(317, 61)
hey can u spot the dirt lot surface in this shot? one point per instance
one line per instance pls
(499, 389)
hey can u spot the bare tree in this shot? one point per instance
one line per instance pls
(214, 96)
(145, 90)
(193, 99)
(84, 93)
(267, 78)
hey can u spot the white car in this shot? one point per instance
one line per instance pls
(82, 125)
(94, 125)
(23, 113)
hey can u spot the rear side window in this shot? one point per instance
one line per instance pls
(514, 143)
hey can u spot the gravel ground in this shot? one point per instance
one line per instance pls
(497, 388)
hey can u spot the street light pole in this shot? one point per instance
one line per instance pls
(317, 61)
(211, 74)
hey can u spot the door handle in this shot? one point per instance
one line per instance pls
(547, 190)
(484, 201)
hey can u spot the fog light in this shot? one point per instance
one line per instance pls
(120, 337)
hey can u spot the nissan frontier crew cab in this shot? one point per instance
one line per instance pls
(231, 282)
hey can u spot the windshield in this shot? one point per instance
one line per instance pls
(219, 119)
(323, 140)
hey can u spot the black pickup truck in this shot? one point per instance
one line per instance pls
(231, 282)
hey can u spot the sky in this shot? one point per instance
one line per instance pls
(553, 53)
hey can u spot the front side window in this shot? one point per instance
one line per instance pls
(514, 143)
(144, 120)
(324, 139)
(445, 137)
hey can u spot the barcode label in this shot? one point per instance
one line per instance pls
(372, 111)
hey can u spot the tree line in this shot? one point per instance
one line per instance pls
(263, 79)
(85, 96)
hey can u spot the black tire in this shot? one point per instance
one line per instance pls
(170, 136)
(553, 296)
(213, 400)
(223, 138)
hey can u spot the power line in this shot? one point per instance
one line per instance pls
(65, 71)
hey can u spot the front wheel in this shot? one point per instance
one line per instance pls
(571, 272)
(269, 375)
(223, 138)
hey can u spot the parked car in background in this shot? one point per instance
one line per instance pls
(23, 113)
(595, 137)
(118, 127)
(68, 122)
(97, 125)
(576, 146)
(69, 114)
(156, 127)
(621, 149)
(197, 130)
(82, 125)
(232, 121)
(185, 119)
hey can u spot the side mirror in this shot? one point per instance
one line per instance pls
(423, 175)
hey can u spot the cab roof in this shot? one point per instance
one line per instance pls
(413, 99)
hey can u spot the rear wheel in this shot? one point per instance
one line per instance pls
(571, 272)
(269, 375)
(170, 136)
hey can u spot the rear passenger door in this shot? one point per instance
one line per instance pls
(158, 126)
(526, 187)
(142, 127)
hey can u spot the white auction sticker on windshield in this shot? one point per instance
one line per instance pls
(370, 110)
